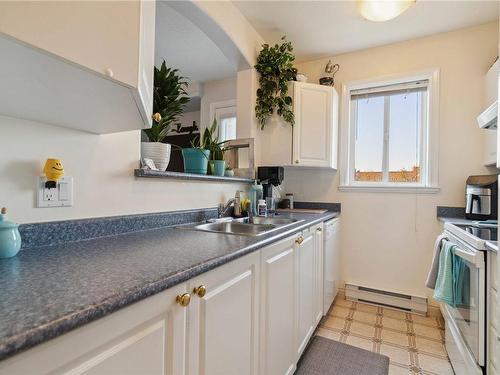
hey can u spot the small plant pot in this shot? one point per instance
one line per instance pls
(158, 152)
(195, 160)
(218, 167)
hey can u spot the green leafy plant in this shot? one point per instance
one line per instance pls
(169, 100)
(211, 142)
(275, 66)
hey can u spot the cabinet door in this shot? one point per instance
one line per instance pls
(148, 337)
(336, 257)
(305, 291)
(314, 133)
(81, 32)
(223, 323)
(278, 317)
(318, 273)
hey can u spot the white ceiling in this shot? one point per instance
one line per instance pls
(324, 28)
(185, 47)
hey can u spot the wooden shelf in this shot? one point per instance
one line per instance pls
(145, 173)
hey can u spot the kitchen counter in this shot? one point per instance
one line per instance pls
(455, 220)
(50, 290)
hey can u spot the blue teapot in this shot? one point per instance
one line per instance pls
(10, 238)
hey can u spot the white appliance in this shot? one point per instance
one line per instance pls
(331, 262)
(488, 118)
(466, 323)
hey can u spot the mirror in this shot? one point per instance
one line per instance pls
(211, 80)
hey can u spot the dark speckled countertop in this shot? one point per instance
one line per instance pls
(50, 290)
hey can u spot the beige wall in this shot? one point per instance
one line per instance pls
(213, 92)
(102, 167)
(387, 238)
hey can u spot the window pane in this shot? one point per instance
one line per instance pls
(404, 129)
(227, 128)
(369, 144)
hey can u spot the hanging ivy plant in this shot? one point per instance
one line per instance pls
(275, 66)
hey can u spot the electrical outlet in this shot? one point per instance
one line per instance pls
(49, 194)
(59, 196)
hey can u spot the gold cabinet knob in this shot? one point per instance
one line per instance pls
(183, 299)
(319, 229)
(200, 291)
(297, 161)
(299, 240)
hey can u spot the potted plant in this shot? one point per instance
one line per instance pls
(217, 150)
(275, 68)
(229, 171)
(169, 101)
(196, 158)
(217, 162)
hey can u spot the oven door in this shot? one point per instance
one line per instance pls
(468, 314)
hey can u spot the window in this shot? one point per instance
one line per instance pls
(389, 133)
(225, 114)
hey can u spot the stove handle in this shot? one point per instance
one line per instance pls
(474, 257)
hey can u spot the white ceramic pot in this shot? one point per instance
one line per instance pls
(158, 152)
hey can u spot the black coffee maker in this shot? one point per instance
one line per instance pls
(269, 177)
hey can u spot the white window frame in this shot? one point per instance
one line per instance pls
(429, 136)
(224, 107)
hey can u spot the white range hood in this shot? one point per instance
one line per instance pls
(488, 118)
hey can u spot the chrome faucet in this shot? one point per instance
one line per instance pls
(223, 209)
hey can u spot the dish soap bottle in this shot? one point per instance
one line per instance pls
(262, 208)
(10, 238)
(257, 193)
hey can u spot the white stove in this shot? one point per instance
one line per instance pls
(467, 321)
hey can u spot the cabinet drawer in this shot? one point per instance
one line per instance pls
(494, 309)
(494, 348)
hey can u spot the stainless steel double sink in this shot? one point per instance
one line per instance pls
(258, 226)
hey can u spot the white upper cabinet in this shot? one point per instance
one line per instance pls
(316, 123)
(489, 135)
(313, 140)
(78, 64)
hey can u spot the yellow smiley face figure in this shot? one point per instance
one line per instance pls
(53, 169)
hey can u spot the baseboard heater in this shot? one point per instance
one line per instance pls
(383, 298)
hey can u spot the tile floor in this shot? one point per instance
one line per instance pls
(414, 344)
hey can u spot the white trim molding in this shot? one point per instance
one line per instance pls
(430, 135)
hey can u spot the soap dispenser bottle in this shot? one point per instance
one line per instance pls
(10, 238)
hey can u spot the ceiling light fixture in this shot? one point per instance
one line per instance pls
(383, 10)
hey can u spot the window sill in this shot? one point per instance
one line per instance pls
(391, 189)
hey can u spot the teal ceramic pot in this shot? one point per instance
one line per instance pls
(10, 238)
(195, 160)
(218, 167)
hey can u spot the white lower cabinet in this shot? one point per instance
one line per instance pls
(254, 315)
(318, 273)
(305, 290)
(278, 316)
(145, 338)
(224, 319)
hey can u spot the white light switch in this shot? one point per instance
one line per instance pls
(63, 191)
(60, 196)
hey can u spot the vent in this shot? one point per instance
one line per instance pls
(388, 299)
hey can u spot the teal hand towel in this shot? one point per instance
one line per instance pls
(461, 282)
(444, 283)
